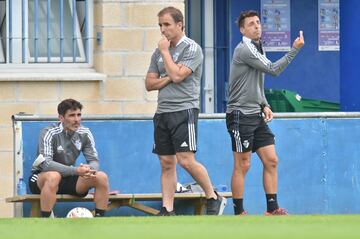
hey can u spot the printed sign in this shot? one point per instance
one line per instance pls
(275, 20)
(329, 25)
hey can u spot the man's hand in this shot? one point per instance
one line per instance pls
(269, 115)
(163, 44)
(299, 41)
(85, 171)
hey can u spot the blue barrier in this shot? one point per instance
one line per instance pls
(319, 169)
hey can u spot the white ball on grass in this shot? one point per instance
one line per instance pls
(79, 212)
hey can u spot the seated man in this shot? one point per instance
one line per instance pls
(54, 171)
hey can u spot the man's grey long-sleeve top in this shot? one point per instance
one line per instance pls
(246, 81)
(61, 149)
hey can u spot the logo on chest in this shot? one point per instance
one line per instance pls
(60, 149)
(175, 57)
(77, 144)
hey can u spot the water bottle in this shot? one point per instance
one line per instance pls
(21, 187)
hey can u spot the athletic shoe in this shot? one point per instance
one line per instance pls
(244, 213)
(215, 206)
(165, 212)
(46, 215)
(277, 212)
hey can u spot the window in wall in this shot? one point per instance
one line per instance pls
(47, 31)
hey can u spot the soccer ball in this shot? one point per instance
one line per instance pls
(78, 212)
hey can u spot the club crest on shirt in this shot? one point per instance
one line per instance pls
(175, 56)
(77, 144)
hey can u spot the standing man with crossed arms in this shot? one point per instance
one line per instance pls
(175, 70)
(248, 111)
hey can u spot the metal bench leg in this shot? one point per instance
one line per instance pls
(144, 208)
(200, 206)
(131, 203)
(35, 209)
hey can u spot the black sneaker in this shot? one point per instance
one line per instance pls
(215, 206)
(164, 212)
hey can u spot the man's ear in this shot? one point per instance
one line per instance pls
(241, 30)
(181, 25)
(61, 118)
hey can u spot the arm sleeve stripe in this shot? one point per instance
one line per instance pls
(48, 150)
(192, 51)
(255, 52)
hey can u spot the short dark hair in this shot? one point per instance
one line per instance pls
(68, 104)
(175, 13)
(241, 19)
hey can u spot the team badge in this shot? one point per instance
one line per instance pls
(175, 56)
(246, 143)
(77, 144)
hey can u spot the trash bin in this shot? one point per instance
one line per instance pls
(288, 101)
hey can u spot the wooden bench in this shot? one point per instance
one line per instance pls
(198, 200)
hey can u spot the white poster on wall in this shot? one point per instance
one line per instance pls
(329, 25)
(275, 20)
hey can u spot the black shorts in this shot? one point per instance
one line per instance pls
(248, 132)
(175, 132)
(67, 185)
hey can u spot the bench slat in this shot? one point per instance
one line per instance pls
(118, 200)
(136, 196)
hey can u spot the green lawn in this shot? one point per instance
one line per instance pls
(185, 227)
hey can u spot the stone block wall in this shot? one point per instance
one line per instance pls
(130, 33)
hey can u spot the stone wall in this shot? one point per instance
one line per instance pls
(130, 34)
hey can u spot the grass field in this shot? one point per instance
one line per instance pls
(185, 227)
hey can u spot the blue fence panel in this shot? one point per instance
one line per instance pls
(319, 169)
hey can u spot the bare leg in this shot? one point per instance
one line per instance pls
(269, 159)
(101, 185)
(168, 180)
(48, 182)
(241, 166)
(197, 171)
